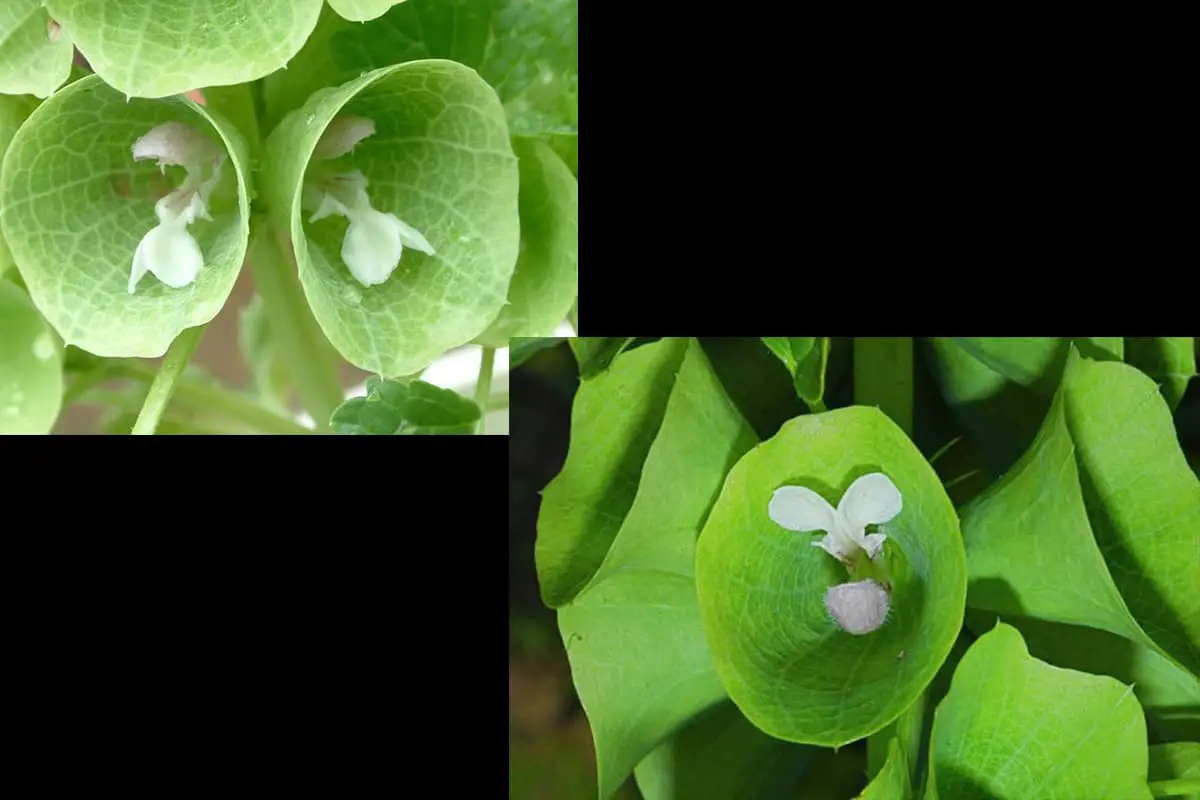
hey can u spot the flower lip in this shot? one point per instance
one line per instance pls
(860, 607)
(870, 499)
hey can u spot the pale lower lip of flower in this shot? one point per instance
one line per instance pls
(858, 608)
(374, 240)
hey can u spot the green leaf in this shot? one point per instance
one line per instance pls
(1001, 388)
(892, 781)
(720, 755)
(362, 10)
(614, 420)
(441, 161)
(13, 112)
(393, 408)
(30, 366)
(546, 281)
(76, 205)
(1015, 727)
(526, 49)
(1107, 507)
(793, 672)
(758, 383)
(35, 55)
(1170, 361)
(521, 350)
(261, 352)
(807, 360)
(150, 49)
(633, 635)
(1169, 695)
(1176, 762)
(596, 355)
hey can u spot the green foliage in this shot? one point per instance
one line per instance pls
(399, 175)
(1041, 639)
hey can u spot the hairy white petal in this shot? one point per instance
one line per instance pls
(858, 608)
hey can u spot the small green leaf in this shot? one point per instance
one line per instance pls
(1013, 727)
(393, 408)
(150, 49)
(785, 662)
(546, 281)
(807, 360)
(596, 355)
(719, 755)
(75, 206)
(633, 635)
(1176, 762)
(1170, 361)
(362, 10)
(30, 366)
(1105, 469)
(614, 420)
(35, 55)
(440, 160)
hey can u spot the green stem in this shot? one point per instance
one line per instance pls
(883, 377)
(218, 400)
(178, 355)
(817, 407)
(483, 387)
(1175, 788)
(306, 354)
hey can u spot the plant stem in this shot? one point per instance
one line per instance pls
(883, 377)
(306, 354)
(218, 400)
(178, 355)
(483, 387)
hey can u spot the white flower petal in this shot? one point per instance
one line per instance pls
(411, 237)
(860, 607)
(170, 253)
(872, 543)
(799, 509)
(832, 545)
(372, 246)
(870, 500)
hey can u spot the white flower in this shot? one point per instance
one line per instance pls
(860, 607)
(168, 250)
(871, 500)
(374, 240)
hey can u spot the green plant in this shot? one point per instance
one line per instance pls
(399, 177)
(1002, 597)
